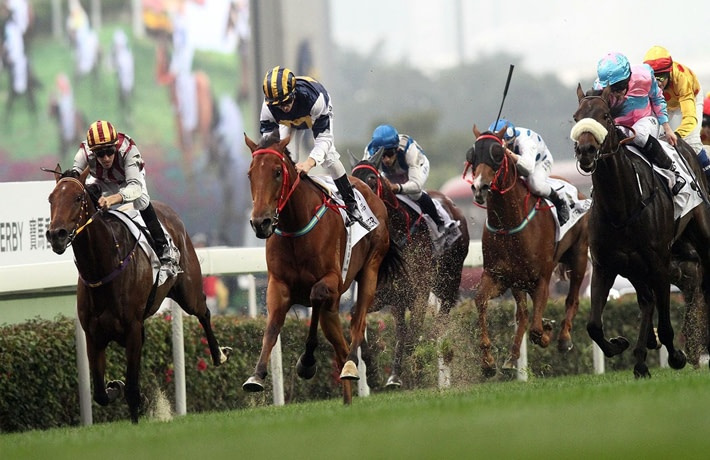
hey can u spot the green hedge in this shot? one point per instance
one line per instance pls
(38, 373)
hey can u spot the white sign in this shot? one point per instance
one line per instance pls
(24, 219)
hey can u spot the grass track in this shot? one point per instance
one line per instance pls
(578, 417)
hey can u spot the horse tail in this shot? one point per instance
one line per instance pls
(392, 265)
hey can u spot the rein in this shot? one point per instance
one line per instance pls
(286, 192)
(396, 205)
(78, 228)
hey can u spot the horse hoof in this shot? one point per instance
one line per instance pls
(488, 371)
(304, 371)
(224, 353)
(565, 346)
(677, 360)
(393, 382)
(114, 390)
(641, 371)
(349, 371)
(253, 384)
(510, 364)
(539, 339)
(620, 344)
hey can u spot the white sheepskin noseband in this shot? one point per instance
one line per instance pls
(589, 125)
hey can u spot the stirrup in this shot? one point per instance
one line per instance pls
(679, 184)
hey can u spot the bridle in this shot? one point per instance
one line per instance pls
(610, 140)
(78, 228)
(287, 189)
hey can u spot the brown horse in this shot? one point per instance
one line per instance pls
(187, 140)
(428, 270)
(117, 291)
(308, 259)
(632, 228)
(520, 251)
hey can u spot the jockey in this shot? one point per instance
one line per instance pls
(301, 107)
(636, 100)
(406, 166)
(116, 170)
(534, 162)
(684, 99)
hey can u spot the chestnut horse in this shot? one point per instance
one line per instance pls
(427, 270)
(308, 259)
(632, 228)
(520, 250)
(187, 140)
(116, 291)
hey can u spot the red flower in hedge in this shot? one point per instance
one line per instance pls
(201, 365)
(169, 375)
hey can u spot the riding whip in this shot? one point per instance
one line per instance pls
(505, 92)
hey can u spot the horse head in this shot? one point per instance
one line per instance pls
(489, 163)
(272, 175)
(70, 209)
(594, 125)
(368, 171)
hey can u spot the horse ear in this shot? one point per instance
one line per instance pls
(476, 132)
(606, 93)
(250, 143)
(501, 133)
(283, 143)
(580, 92)
(57, 172)
(376, 159)
(84, 175)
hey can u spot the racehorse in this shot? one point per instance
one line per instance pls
(203, 98)
(520, 250)
(308, 259)
(632, 228)
(116, 291)
(427, 270)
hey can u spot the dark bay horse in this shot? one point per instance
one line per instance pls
(632, 229)
(426, 269)
(308, 262)
(116, 291)
(520, 251)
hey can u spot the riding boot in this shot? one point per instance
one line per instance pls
(704, 163)
(656, 154)
(562, 211)
(162, 248)
(427, 205)
(346, 192)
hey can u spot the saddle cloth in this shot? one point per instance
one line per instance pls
(134, 221)
(577, 208)
(687, 199)
(440, 240)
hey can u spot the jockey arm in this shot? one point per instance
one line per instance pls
(417, 173)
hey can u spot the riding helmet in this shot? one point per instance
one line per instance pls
(613, 68)
(384, 136)
(101, 134)
(659, 59)
(510, 131)
(279, 84)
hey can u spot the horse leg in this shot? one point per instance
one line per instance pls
(188, 292)
(134, 346)
(539, 334)
(278, 301)
(400, 332)
(647, 303)
(96, 354)
(487, 288)
(521, 324)
(325, 297)
(306, 366)
(601, 285)
(676, 357)
(564, 338)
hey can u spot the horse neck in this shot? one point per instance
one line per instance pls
(97, 245)
(615, 183)
(301, 206)
(508, 207)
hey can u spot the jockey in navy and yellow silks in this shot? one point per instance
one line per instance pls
(301, 107)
